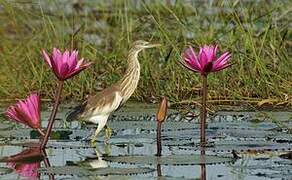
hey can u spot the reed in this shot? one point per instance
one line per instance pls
(255, 32)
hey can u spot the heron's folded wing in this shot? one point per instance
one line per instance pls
(103, 103)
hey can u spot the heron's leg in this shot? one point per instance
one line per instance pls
(108, 132)
(98, 153)
(100, 126)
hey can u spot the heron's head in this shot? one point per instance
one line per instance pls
(140, 45)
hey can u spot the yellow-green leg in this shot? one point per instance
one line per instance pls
(93, 141)
(108, 132)
(100, 126)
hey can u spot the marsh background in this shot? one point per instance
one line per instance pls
(257, 32)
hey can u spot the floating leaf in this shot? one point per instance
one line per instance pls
(6, 125)
(287, 155)
(189, 159)
(150, 125)
(81, 171)
(16, 133)
(4, 170)
(244, 146)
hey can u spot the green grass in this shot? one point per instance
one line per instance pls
(256, 32)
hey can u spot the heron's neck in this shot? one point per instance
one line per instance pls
(130, 80)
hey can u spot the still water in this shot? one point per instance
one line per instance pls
(261, 139)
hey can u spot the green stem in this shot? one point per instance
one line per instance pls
(53, 114)
(203, 112)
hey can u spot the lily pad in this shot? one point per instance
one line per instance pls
(57, 145)
(16, 133)
(191, 159)
(132, 177)
(27, 133)
(4, 170)
(243, 145)
(6, 126)
(81, 171)
(151, 125)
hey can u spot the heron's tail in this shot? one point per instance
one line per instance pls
(75, 113)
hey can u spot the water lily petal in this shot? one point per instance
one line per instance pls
(80, 62)
(65, 58)
(222, 60)
(221, 68)
(66, 65)
(47, 58)
(56, 70)
(203, 59)
(72, 62)
(191, 59)
(64, 71)
(210, 52)
(76, 71)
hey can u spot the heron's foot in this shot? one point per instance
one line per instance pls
(93, 141)
(108, 133)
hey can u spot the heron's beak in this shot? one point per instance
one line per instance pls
(153, 45)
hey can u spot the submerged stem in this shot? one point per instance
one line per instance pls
(203, 165)
(47, 164)
(203, 171)
(203, 111)
(53, 115)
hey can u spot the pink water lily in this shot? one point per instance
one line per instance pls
(26, 111)
(65, 65)
(206, 61)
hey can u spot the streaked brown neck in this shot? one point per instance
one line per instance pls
(130, 80)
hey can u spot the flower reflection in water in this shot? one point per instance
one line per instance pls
(97, 162)
(26, 169)
(28, 162)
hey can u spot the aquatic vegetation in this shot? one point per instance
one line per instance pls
(64, 66)
(204, 63)
(27, 112)
(162, 110)
(257, 33)
(188, 159)
(133, 145)
(160, 118)
(81, 171)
